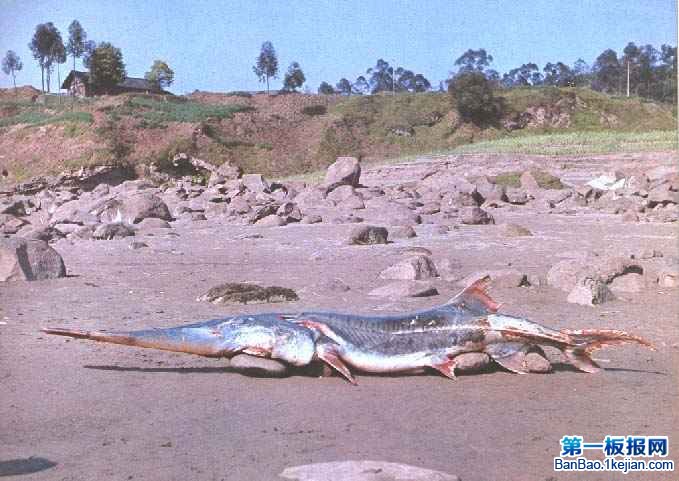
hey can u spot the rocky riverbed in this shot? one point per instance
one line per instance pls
(570, 242)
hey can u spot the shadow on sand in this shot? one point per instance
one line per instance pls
(16, 467)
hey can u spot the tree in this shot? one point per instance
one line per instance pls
(343, 87)
(473, 61)
(473, 98)
(648, 58)
(668, 73)
(581, 73)
(381, 77)
(160, 75)
(106, 67)
(11, 64)
(325, 89)
(558, 74)
(360, 86)
(523, 76)
(407, 81)
(294, 78)
(58, 55)
(42, 47)
(90, 45)
(266, 66)
(77, 41)
(607, 72)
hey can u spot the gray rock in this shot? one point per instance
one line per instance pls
(669, 276)
(258, 366)
(341, 193)
(368, 234)
(516, 196)
(402, 232)
(242, 293)
(29, 260)
(271, 221)
(564, 274)
(475, 216)
(538, 363)
(344, 171)
(631, 282)
(112, 231)
(413, 268)
(472, 361)
(401, 289)
(136, 245)
(590, 291)
(289, 211)
(43, 233)
(311, 219)
(153, 223)
(255, 183)
(135, 208)
(10, 224)
(363, 471)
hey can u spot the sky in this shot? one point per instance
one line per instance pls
(212, 45)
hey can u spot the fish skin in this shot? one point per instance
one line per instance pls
(433, 338)
(264, 335)
(429, 338)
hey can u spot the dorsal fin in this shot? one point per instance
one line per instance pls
(475, 296)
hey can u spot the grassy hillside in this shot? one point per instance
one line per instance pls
(293, 134)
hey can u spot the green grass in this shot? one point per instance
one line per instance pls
(156, 111)
(571, 143)
(37, 117)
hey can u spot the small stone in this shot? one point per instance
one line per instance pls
(135, 245)
(112, 231)
(475, 216)
(402, 232)
(535, 362)
(270, 221)
(472, 361)
(368, 234)
(311, 219)
(414, 268)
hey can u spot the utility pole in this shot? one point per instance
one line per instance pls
(628, 78)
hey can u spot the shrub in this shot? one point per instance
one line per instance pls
(473, 96)
(314, 110)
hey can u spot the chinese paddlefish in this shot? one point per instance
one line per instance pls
(469, 322)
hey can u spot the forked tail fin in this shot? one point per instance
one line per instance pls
(586, 341)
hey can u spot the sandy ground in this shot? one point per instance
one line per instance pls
(86, 411)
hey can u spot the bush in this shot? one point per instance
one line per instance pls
(314, 110)
(473, 96)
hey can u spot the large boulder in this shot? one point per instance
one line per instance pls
(344, 171)
(29, 260)
(134, 208)
(112, 231)
(364, 471)
(414, 268)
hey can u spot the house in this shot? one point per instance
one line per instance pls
(78, 84)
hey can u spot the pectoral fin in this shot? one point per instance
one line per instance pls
(327, 352)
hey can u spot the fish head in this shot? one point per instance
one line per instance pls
(268, 336)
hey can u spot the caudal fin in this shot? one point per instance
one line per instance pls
(586, 341)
